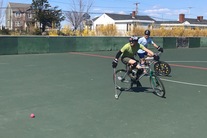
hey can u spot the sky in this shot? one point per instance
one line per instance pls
(163, 10)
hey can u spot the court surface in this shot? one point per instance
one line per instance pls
(72, 96)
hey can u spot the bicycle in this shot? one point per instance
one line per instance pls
(161, 68)
(124, 80)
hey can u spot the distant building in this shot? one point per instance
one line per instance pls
(18, 16)
(192, 23)
(124, 23)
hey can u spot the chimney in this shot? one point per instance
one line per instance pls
(200, 18)
(133, 14)
(181, 18)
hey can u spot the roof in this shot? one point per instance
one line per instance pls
(95, 18)
(19, 6)
(190, 20)
(195, 21)
(127, 17)
(115, 16)
(167, 22)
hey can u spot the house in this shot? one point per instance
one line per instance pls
(192, 23)
(124, 23)
(18, 16)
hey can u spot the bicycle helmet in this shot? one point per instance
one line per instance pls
(133, 38)
(147, 32)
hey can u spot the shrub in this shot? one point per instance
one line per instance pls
(4, 31)
(106, 30)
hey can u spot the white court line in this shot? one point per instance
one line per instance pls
(4, 63)
(188, 61)
(187, 83)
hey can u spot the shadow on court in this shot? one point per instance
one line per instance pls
(139, 89)
(72, 95)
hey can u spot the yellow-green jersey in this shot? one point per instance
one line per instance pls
(129, 51)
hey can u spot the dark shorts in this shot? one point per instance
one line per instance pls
(125, 60)
(142, 55)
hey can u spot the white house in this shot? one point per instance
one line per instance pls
(198, 22)
(124, 23)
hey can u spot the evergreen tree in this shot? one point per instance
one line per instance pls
(46, 15)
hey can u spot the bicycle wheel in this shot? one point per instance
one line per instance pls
(162, 68)
(123, 81)
(157, 86)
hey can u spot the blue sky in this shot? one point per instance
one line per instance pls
(158, 9)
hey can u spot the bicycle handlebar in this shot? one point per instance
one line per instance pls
(159, 53)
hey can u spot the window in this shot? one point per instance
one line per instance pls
(17, 14)
(17, 23)
(29, 15)
(128, 27)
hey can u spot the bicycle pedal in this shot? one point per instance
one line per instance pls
(134, 71)
(118, 88)
(119, 78)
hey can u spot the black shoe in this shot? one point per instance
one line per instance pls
(132, 76)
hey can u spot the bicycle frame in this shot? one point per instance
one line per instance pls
(149, 70)
(126, 78)
(161, 68)
(151, 60)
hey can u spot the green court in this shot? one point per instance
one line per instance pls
(72, 96)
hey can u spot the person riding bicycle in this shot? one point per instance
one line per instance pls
(128, 51)
(145, 40)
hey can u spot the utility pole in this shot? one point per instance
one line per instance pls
(189, 10)
(136, 7)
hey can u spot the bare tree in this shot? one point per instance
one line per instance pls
(79, 12)
(1, 12)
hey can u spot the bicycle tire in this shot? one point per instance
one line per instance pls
(123, 81)
(157, 86)
(162, 68)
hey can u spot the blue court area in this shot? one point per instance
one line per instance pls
(72, 95)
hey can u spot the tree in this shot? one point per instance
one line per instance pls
(46, 15)
(79, 13)
(1, 12)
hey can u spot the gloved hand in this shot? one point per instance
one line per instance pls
(160, 49)
(156, 57)
(114, 63)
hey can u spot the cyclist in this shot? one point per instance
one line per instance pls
(128, 51)
(145, 40)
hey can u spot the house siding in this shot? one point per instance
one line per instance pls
(124, 23)
(17, 17)
(103, 20)
(122, 28)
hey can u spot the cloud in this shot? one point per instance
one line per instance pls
(158, 11)
(102, 10)
(152, 11)
(96, 9)
(121, 12)
(108, 11)
(181, 11)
